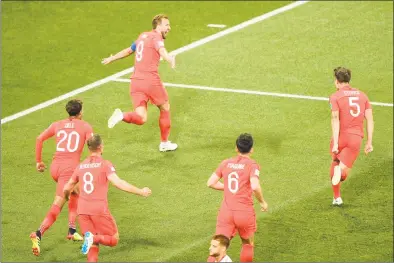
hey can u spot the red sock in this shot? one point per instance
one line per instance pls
(211, 259)
(93, 254)
(165, 125)
(50, 218)
(335, 188)
(132, 117)
(105, 240)
(247, 252)
(72, 210)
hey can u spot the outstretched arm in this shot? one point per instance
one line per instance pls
(121, 54)
(125, 186)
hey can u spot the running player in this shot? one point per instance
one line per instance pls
(95, 219)
(146, 84)
(240, 181)
(71, 135)
(349, 108)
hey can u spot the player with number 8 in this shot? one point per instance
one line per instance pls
(240, 176)
(349, 108)
(71, 135)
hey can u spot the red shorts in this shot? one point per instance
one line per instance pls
(98, 224)
(348, 148)
(61, 173)
(228, 222)
(142, 91)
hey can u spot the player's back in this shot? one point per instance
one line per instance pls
(351, 104)
(236, 173)
(93, 185)
(71, 135)
(147, 55)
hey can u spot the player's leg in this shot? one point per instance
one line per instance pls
(159, 97)
(139, 99)
(246, 224)
(52, 214)
(224, 226)
(72, 215)
(106, 231)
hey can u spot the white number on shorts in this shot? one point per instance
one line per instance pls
(352, 103)
(72, 138)
(140, 48)
(232, 182)
(88, 186)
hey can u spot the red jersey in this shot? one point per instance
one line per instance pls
(236, 173)
(351, 104)
(71, 135)
(93, 174)
(147, 56)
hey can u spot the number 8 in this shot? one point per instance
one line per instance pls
(87, 183)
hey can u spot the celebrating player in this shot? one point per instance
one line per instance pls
(71, 135)
(218, 249)
(145, 81)
(349, 107)
(94, 217)
(240, 178)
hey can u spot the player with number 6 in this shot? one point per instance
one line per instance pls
(146, 84)
(349, 108)
(240, 176)
(71, 135)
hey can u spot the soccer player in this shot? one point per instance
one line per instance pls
(145, 81)
(71, 135)
(94, 217)
(240, 180)
(349, 107)
(218, 249)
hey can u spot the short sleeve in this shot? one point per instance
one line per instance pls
(109, 169)
(219, 170)
(255, 170)
(334, 103)
(158, 43)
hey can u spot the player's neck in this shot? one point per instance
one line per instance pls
(95, 154)
(344, 86)
(246, 155)
(220, 257)
(74, 118)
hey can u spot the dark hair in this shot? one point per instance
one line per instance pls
(94, 142)
(157, 20)
(74, 107)
(244, 143)
(223, 240)
(342, 74)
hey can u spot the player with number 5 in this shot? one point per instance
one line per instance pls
(145, 81)
(71, 135)
(349, 108)
(240, 176)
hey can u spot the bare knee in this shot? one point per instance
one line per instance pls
(248, 241)
(142, 112)
(59, 201)
(165, 106)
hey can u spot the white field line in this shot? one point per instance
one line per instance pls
(216, 25)
(175, 52)
(253, 92)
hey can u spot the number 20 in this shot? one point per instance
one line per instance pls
(69, 137)
(352, 103)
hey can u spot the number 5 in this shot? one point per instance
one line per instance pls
(352, 103)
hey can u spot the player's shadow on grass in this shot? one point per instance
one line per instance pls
(135, 242)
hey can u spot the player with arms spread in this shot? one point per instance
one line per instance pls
(145, 81)
(240, 180)
(71, 135)
(349, 108)
(94, 217)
